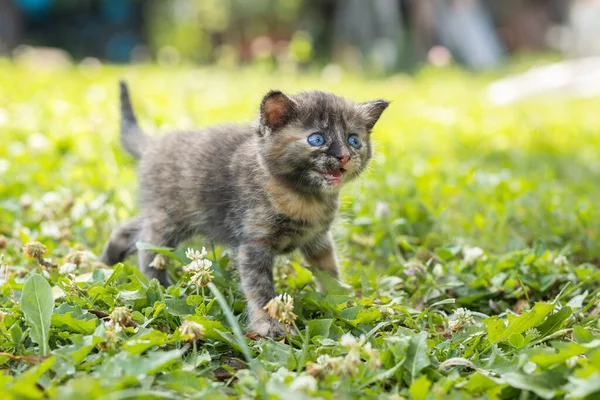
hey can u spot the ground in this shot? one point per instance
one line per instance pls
(469, 250)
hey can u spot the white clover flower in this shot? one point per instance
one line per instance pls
(67, 268)
(193, 330)
(198, 266)
(50, 229)
(463, 313)
(80, 257)
(350, 342)
(472, 254)
(304, 383)
(195, 255)
(323, 359)
(572, 361)
(78, 211)
(51, 198)
(461, 318)
(326, 363)
(202, 278)
(387, 311)
(374, 356)
(26, 200)
(120, 315)
(532, 332)
(315, 369)
(561, 261)
(113, 326)
(352, 359)
(438, 270)
(281, 308)
(351, 363)
(382, 210)
(159, 262)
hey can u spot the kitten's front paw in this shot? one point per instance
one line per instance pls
(268, 327)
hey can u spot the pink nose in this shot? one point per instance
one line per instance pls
(344, 160)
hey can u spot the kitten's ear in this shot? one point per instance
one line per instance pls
(373, 110)
(276, 110)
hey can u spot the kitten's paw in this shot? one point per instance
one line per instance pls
(268, 327)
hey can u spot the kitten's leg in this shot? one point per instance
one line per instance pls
(158, 233)
(320, 253)
(121, 242)
(255, 262)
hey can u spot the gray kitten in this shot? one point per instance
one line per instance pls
(264, 189)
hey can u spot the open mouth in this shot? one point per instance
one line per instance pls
(334, 176)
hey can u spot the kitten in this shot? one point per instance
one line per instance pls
(264, 189)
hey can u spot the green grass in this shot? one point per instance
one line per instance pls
(452, 174)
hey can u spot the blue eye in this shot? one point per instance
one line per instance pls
(354, 141)
(316, 140)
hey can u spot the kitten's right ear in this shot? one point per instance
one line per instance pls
(373, 110)
(276, 110)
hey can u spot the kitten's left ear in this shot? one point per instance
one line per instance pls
(373, 110)
(276, 110)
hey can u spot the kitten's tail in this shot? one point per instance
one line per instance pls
(132, 137)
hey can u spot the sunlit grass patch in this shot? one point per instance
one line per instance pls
(469, 249)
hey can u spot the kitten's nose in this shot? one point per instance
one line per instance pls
(344, 160)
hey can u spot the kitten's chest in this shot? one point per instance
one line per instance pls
(290, 234)
(297, 219)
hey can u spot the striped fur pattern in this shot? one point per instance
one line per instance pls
(260, 188)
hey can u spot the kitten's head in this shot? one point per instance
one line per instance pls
(314, 142)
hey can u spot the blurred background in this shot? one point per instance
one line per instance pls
(376, 36)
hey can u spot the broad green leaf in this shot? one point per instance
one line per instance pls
(367, 316)
(582, 387)
(555, 321)
(16, 334)
(351, 313)
(544, 384)
(73, 319)
(480, 383)
(37, 305)
(131, 296)
(81, 347)
(166, 251)
(582, 335)
(139, 366)
(319, 327)
(546, 356)
(577, 301)
(141, 343)
(419, 388)
(301, 278)
(516, 340)
(179, 307)
(417, 355)
(194, 300)
(83, 326)
(498, 331)
(212, 329)
(330, 284)
(25, 385)
(382, 376)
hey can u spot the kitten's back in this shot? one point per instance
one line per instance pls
(192, 176)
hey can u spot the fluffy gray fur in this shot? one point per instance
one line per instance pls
(261, 188)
